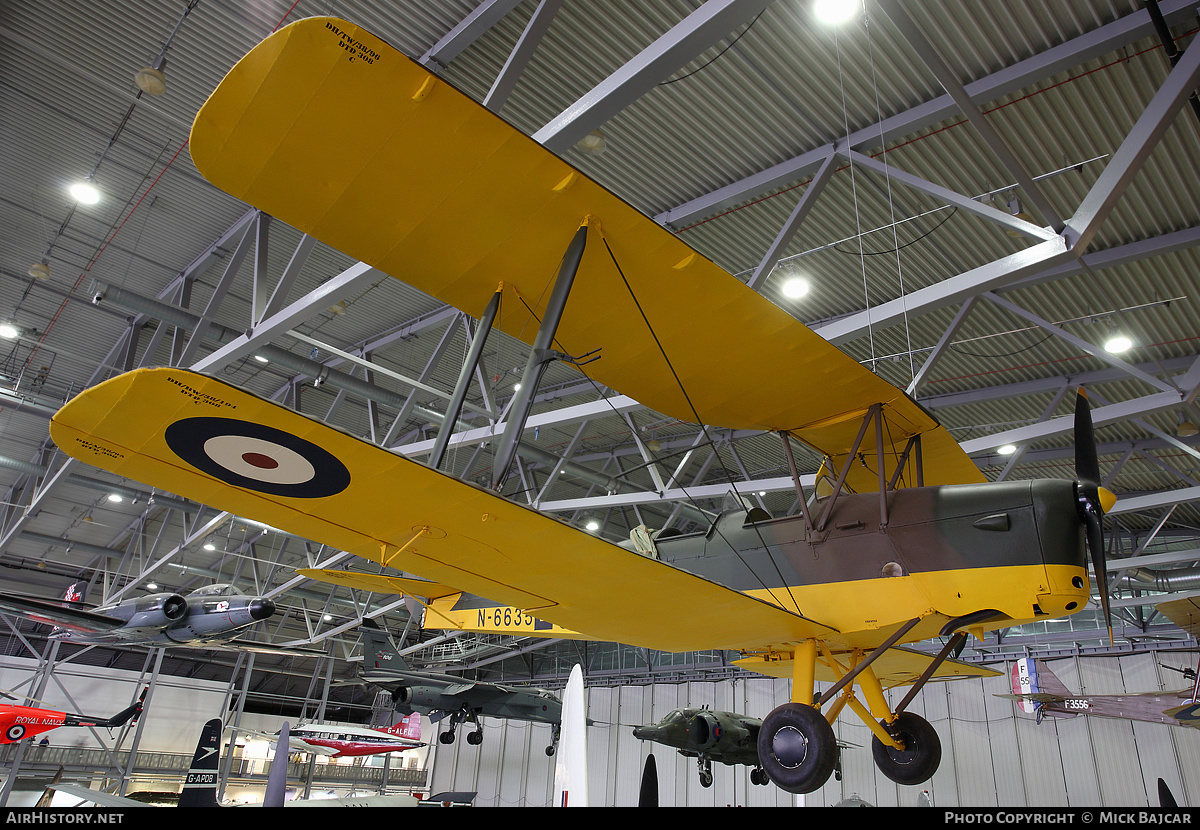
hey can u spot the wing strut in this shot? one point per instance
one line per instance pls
(539, 357)
(454, 408)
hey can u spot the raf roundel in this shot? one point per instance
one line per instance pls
(258, 457)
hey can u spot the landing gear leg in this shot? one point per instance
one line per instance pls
(706, 776)
(796, 745)
(905, 747)
(474, 738)
(556, 731)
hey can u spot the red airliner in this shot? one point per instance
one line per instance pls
(342, 741)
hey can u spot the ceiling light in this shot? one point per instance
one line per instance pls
(835, 11)
(261, 359)
(338, 308)
(1186, 429)
(84, 193)
(1117, 344)
(795, 288)
(209, 545)
(40, 270)
(114, 497)
(150, 79)
(1007, 449)
(593, 143)
(151, 586)
(8, 331)
(592, 525)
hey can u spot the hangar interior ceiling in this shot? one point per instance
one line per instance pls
(979, 196)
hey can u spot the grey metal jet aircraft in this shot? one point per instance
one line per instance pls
(445, 696)
(208, 617)
(709, 735)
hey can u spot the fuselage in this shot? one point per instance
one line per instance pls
(726, 737)
(1014, 549)
(416, 693)
(351, 741)
(215, 613)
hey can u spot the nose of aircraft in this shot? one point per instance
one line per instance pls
(261, 608)
(648, 733)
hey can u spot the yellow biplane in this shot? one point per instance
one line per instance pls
(425, 184)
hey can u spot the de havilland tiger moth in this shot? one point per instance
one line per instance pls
(912, 543)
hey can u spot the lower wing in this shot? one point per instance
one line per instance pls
(200, 438)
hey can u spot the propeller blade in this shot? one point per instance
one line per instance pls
(648, 797)
(1087, 470)
(1087, 466)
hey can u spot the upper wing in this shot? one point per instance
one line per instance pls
(60, 614)
(327, 128)
(169, 427)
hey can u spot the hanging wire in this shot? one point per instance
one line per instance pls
(854, 192)
(912, 371)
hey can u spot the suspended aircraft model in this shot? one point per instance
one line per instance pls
(452, 698)
(709, 735)
(911, 543)
(1039, 692)
(20, 722)
(348, 741)
(209, 617)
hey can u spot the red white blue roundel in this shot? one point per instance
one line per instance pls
(257, 457)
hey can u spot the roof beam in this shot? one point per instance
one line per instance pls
(1094, 44)
(682, 43)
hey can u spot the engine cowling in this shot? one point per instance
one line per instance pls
(707, 732)
(157, 611)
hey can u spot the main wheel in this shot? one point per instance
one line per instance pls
(922, 752)
(797, 748)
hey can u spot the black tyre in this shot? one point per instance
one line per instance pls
(446, 737)
(474, 738)
(797, 748)
(922, 752)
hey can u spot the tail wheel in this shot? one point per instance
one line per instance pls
(797, 748)
(922, 752)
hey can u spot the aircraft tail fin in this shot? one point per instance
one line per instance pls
(200, 786)
(409, 727)
(570, 767)
(1030, 676)
(132, 713)
(75, 592)
(1034, 684)
(379, 649)
(276, 791)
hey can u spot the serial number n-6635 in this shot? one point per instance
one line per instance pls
(505, 617)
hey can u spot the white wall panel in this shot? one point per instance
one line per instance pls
(993, 754)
